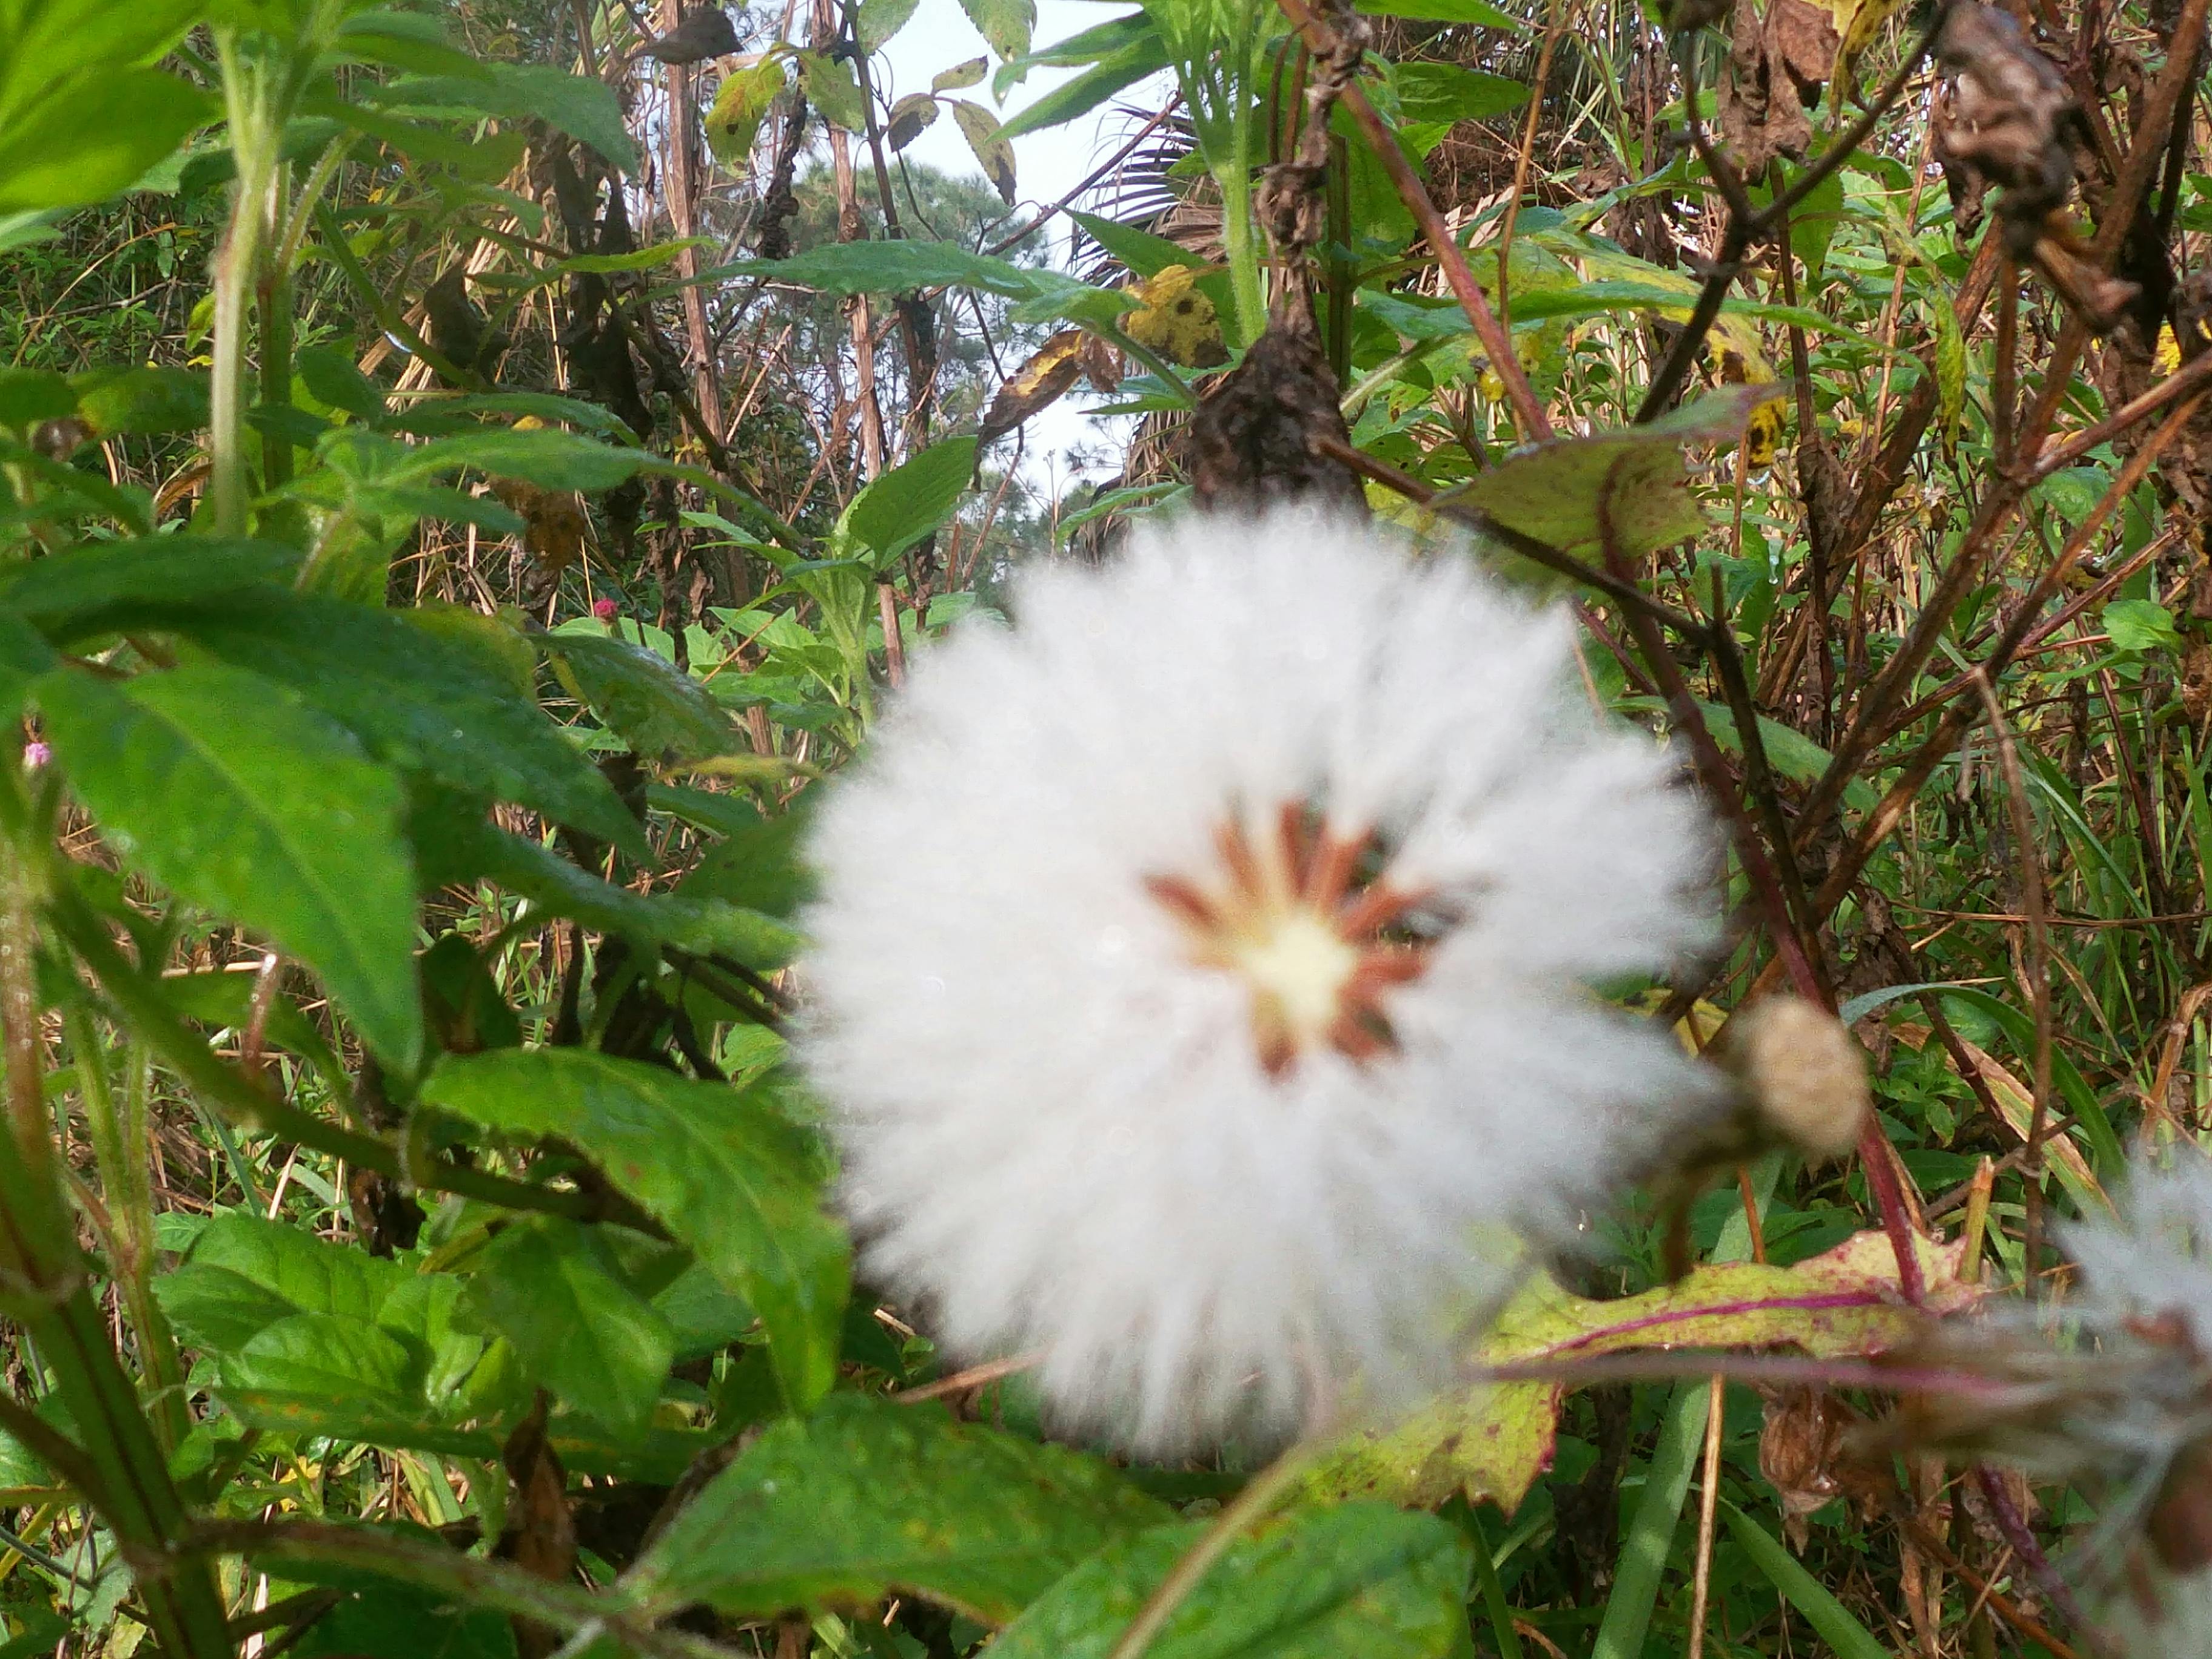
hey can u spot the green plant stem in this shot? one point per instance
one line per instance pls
(1493, 1595)
(1238, 242)
(237, 269)
(497, 1584)
(122, 1151)
(45, 1284)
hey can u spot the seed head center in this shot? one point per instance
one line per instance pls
(1306, 922)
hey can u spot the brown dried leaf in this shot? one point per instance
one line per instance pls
(1778, 62)
(1253, 440)
(1053, 367)
(1799, 1447)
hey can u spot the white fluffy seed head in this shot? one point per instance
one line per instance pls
(1200, 972)
(1806, 1076)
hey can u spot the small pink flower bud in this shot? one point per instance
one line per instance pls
(36, 753)
(604, 609)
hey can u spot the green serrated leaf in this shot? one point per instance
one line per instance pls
(867, 1497)
(1634, 480)
(720, 1168)
(994, 154)
(555, 1290)
(658, 712)
(831, 88)
(101, 587)
(417, 699)
(909, 501)
(1447, 93)
(876, 21)
(1004, 24)
(241, 799)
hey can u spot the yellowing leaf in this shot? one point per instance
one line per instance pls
(1174, 319)
(1055, 366)
(1857, 21)
(740, 107)
(1493, 1440)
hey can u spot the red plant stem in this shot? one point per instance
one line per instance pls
(1527, 411)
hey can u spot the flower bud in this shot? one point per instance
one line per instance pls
(1804, 1074)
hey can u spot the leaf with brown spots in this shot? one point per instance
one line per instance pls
(1492, 1440)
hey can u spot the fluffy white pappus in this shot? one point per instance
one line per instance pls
(2154, 1259)
(1200, 973)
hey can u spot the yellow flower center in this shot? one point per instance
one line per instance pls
(1303, 922)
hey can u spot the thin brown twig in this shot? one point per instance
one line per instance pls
(1527, 409)
(2039, 961)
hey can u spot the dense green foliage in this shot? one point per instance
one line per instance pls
(464, 485)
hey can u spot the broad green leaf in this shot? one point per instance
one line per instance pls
(741, 104)
(555, 1290)
(24, 656)
(85, 136)
(543, 456)
(868, 1498)
(901, 267)
(1631, 483)
(100, 586)
(322, 1355)
(875, 21)
(719, 1167)
(1359, 1578)
(28, 396)
(1445, 92)
(909, 501)
(386, 1619)
(241, 1261)
(2140, 625)
(1146, 55)
(238, 798)
(1493, 1440)
(417, 699)
(658, 712)
(831, 88)
(1142, 253)
(660, 1456)
(454, 844)
(143, 400)
(1004, 24)
(910, 116)
(584, 109)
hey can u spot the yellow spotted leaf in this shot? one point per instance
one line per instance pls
(740, 107)
(1172, 318)
(1493, 1440)
(1051, 370)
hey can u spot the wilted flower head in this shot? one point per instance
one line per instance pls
(1200, 971)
